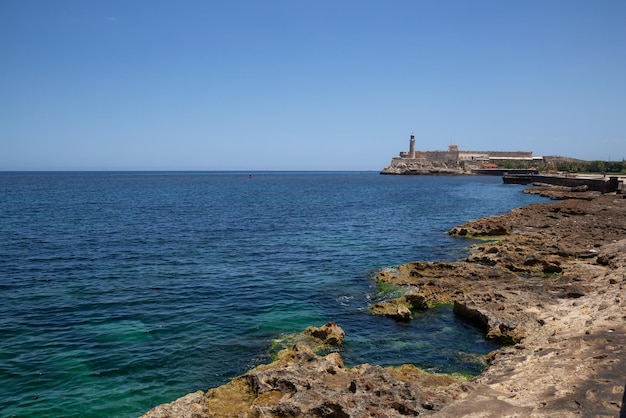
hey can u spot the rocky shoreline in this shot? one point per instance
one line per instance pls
(547, 280)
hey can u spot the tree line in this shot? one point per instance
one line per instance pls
(608, 167)
(592, 167)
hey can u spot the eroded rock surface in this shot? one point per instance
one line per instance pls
(302, 384)
(548, 279)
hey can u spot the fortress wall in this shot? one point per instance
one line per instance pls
(483, 155)
(500, 158)
(509, 154)
(442, 156)
(406, 160)
(418, 154)
(455, 155)
(472, 155)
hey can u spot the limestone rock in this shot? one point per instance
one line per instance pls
(329, 334)
(552, 287)
(485, 227)
(193, 405)
(394, 309)
(302, 384)
(613, 255)
(421, 167)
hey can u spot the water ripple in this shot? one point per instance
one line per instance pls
(124, 290)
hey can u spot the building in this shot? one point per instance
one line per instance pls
(453, 161)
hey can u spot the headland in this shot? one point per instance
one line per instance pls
(547, 280)
(457, 162)
(515, 167)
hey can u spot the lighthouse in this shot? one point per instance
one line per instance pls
(412, 147)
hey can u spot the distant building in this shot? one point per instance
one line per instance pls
(453, 160)
(454, 154)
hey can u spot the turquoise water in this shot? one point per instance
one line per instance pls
(121, 291)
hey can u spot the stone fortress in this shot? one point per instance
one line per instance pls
(454, 161)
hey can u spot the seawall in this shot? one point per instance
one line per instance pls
(602, 184)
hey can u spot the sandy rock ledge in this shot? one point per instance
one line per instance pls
(548, 280)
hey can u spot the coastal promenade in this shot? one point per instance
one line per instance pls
(593, 182)
(548, 281)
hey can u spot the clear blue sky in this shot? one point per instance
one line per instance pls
(312, 85)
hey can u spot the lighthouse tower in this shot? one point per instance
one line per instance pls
(412, 147)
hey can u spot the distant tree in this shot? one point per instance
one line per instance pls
(592, 166)
(614, 166)
(564, 167)
(596, 167)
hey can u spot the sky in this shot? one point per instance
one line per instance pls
(305, 85)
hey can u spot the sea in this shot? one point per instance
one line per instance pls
(120, 291)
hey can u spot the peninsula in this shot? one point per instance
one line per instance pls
(515, 167)
(547, 280)
(456, 162)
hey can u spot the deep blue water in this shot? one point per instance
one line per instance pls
(120, 291)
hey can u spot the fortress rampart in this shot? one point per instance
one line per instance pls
(452, 161)
(458, 155)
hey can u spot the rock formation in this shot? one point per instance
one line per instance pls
(405, 166)
(548, 280)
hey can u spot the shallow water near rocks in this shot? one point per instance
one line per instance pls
(121, 291)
